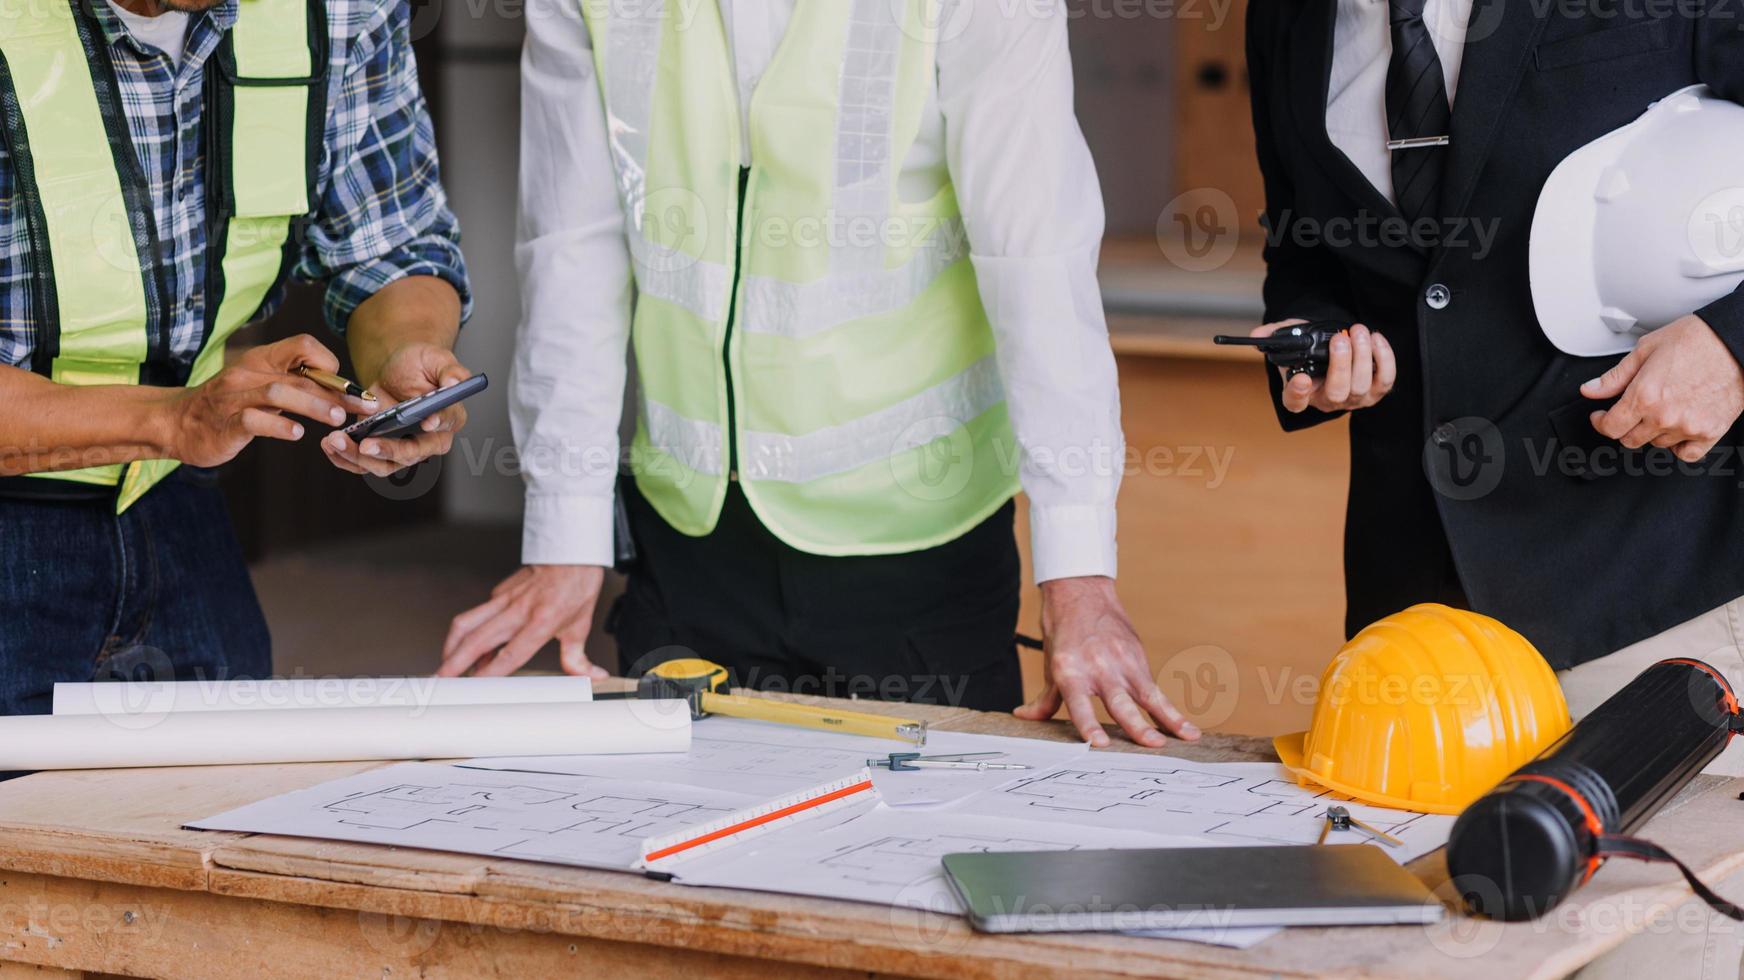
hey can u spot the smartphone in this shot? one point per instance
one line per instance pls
(403, 419)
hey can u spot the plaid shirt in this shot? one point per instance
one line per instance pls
(380, 214)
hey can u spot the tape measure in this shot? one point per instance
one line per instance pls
(689, 679)
(705, 685)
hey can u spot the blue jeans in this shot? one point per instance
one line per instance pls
(157, 593)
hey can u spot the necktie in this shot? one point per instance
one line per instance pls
(1417, 107)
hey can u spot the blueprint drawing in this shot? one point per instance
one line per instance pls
(1227, 803)
(772, 760)
(583, 821)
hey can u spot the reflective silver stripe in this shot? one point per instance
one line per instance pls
(680, 278)
(864, 134)
(916, 421)
(632, 57)
(801, 309)
(694, 443)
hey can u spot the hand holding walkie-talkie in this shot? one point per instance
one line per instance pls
(1302, 348)
(1327, 365)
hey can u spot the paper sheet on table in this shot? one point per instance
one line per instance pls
(155, 697)
(1224, 803)
(890, 855)
(771, 760)
(204, 738)
(1234, 937)
(584, 821)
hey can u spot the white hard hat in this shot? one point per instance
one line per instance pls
(1641, 226)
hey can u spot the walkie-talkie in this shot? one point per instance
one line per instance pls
(1303, 348)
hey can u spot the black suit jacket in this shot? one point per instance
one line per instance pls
(1479, 479)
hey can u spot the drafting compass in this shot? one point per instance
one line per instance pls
(1339, 818)
(905, 761)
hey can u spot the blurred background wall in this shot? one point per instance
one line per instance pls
(1230, 532)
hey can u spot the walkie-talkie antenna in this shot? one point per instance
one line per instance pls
(1301, 348)
(1277, 341)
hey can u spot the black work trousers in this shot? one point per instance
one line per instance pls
(936, 626)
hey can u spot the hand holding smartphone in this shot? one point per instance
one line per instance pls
(403, 419)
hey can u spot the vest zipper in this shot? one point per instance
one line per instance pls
(732, 315)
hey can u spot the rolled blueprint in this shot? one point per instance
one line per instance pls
(216, 738)
(152, 697)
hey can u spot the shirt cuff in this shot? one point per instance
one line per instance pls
(567, 530)
(349, 288)
(1071, 542)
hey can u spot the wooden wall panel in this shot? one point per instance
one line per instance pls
(1249, 562)
(1214, 144)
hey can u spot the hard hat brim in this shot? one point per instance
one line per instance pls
(1562, 249)
(1562, 253)
(1291, 753)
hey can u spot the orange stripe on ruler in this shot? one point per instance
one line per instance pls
(786, 811)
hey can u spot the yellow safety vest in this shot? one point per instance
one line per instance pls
(101, 312)
(801, 326)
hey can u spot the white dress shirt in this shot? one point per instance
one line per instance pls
(1356, 98)
(1000, 118)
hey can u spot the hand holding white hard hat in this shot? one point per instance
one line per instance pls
(1641, 226)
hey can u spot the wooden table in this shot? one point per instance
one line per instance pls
(97, 875)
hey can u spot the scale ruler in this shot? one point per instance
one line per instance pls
(660, 853)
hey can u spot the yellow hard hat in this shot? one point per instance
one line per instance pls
(1427, 709)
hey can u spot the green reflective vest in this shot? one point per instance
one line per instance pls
(102, 315)
(803, 326)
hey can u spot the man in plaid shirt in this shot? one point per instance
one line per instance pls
(160, 586)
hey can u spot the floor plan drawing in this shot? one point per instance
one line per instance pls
(771, 760)
(579, 820)
(898, 859)
(890, 855)
(1243, 803)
